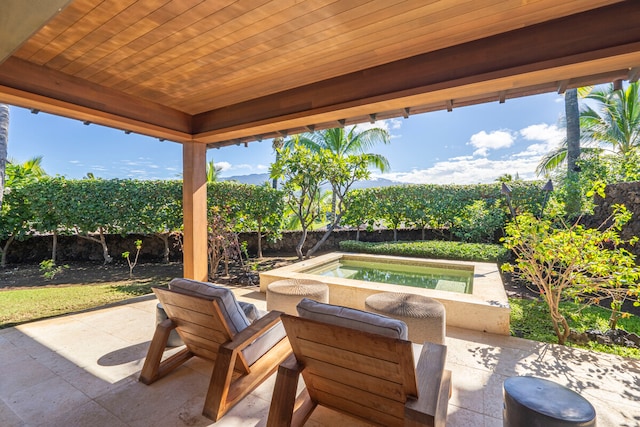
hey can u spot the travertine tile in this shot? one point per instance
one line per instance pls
(8, 417)
(22, 374)
(46, 400)
(89, 414)
(460, 417)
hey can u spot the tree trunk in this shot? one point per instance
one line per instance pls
(105, 249)
(334, 207)
(260, 238)
(423, 231)
(572, 114)
(324, 237)
(54, 248)
(4, 144)
(3, 261)
(395, 234)
(102, 241)
(301, 243)
(358, 234)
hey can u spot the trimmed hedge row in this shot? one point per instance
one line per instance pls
(480, 252)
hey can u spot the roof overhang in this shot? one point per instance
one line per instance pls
(558, 50)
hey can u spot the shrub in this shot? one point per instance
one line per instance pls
(431, 249)
(564, 260)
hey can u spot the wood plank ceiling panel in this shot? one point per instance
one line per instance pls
(346, 52)
(200, 60)
(94, 20)
(238, 54)
(62, 22)
(126, 54)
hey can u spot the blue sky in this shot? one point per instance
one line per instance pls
(469, 145)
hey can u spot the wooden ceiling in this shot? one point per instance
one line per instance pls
(230, 71)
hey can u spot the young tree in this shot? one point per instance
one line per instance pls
(572, 261)
(303, 172)
(342, 144)
(16, 215)
(341, 173)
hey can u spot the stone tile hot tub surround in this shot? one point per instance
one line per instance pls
(485, 309)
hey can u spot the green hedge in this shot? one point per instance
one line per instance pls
(472, 213)
(480, 252)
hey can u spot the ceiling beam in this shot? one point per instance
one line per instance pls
(19, 19)
(561, 45)
(31, 86)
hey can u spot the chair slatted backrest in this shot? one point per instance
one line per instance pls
(365, 375)
(199, 322)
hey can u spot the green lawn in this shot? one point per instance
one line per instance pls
(28, 304)
(530, 318)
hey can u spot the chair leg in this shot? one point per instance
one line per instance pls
(284, 393)
(287, 409)
(215, 403)
(303, 408)
(154, 368)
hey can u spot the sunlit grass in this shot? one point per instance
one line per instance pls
(24, 305)
(530, 319)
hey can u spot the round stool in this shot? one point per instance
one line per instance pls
(425, 317)
(530, 401)
(284, 295)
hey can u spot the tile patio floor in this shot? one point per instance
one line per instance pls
(81, 370)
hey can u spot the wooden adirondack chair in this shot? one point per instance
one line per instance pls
(204, 327)
(366, 375)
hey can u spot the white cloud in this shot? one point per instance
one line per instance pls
(483, 141)
(469, 171)
(389, 125)
(483, 169)
(229, 169)
(223, 166)
(543, 132)
(550, 137)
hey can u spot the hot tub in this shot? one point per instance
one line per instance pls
(484, 308)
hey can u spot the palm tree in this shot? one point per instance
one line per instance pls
(276, 144)
(344, 143)
(213, 172)
(21, 173)
(4, 144)
(572, 114)
(615, 122)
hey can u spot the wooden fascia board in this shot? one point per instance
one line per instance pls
(19, 19)
(555, 44)
(31, 86)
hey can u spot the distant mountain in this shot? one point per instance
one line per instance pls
(261, 178)
(253, 179)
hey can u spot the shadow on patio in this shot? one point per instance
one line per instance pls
(82, 370)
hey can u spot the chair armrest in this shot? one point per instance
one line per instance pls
(253, 331)
(432, 382)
